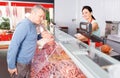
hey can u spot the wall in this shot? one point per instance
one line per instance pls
(15, 10)
(102, 10)
(65, 14)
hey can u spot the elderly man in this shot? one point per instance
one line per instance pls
(23, 44)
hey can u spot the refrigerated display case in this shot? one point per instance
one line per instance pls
(90, 60)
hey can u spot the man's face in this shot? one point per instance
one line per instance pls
(39, 16)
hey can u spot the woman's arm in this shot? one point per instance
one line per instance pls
(94, 26)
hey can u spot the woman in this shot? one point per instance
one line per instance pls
(87, 15)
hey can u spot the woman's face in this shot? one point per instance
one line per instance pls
(86, 14)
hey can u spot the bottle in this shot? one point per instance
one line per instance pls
(51, 27)
(92, 44)
(91, 53)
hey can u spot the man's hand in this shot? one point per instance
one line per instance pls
(12, 71)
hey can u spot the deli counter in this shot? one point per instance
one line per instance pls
(90, 60)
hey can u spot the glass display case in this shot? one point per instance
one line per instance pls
(91, 61)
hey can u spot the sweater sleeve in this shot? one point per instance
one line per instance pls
(14, 47)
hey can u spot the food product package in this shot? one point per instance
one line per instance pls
(52, 62)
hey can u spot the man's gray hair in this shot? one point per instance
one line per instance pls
(37, 7)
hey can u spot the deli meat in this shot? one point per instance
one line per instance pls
(53, 62)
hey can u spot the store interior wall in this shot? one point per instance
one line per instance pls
(17, 10)
(103, 10)
(65, 14)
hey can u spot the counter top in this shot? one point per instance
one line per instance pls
(88, 59)
(4, 44)
(115, 38)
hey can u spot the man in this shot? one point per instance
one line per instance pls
(23, 44)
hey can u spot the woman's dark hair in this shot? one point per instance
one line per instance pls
(89, 9)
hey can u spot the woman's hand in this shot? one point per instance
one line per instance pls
(78, 34)
(81, 37)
